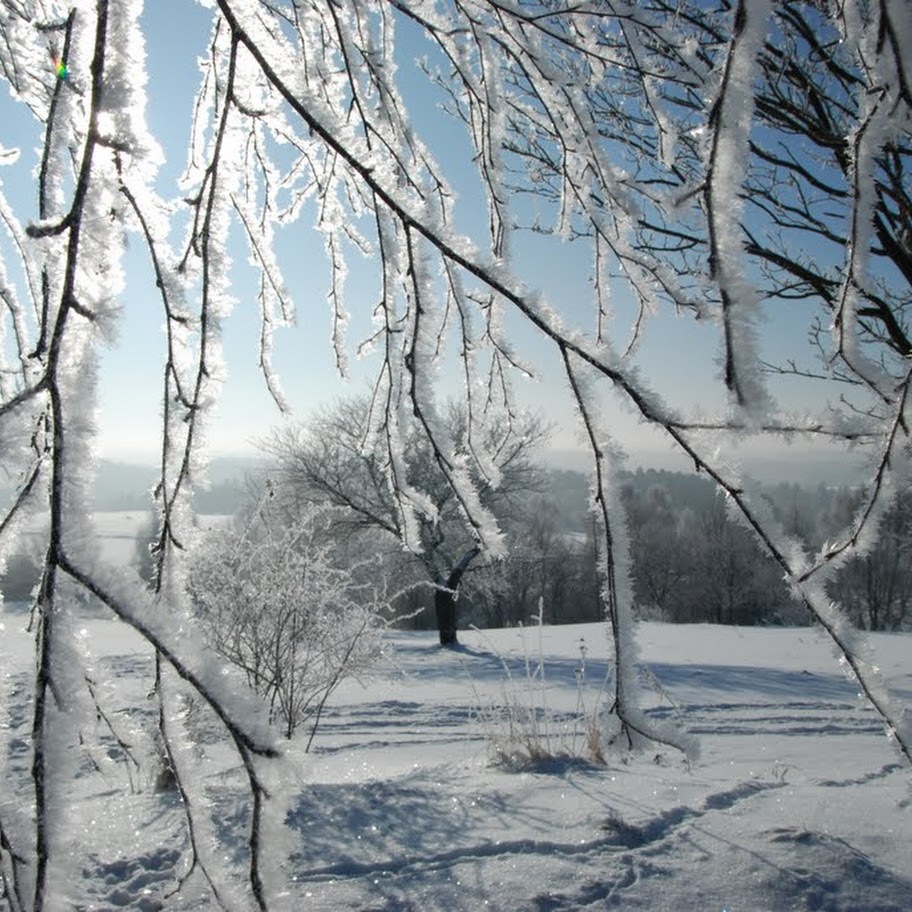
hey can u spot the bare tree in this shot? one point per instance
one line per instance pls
(662, 557)
(326, 461)
(543, 567)
(95, 174)
(733, 581)
(692, 146)
(876, 587)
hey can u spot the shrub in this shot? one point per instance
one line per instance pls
(272, 601)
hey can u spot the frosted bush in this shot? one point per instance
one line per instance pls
(276, 604)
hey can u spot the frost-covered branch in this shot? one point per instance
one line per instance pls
(710, 158)
(616, 594)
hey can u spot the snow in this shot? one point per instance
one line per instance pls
(797, 802)
(116, 531)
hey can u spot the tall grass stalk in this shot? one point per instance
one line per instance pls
(525, 730)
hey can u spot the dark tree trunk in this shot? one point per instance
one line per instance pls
(445, 600)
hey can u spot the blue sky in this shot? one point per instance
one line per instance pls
(680, 357)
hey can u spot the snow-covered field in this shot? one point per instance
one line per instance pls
(116, 531)
(798, 800)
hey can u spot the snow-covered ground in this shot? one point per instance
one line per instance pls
(798, 800)
(116, 531)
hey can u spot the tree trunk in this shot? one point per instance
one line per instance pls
(445, 600)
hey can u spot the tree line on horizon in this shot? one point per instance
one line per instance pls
(692, 562)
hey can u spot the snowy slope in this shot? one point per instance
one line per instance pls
(797, 802)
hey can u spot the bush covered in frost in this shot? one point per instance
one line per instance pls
(272, 600)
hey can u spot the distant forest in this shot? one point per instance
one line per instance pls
(692, 562)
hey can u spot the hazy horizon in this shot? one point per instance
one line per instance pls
(789, 466)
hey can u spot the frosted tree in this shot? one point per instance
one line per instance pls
(60, 277)
(710, 157)
(757, 154)
(325, 461)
